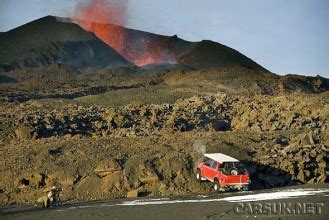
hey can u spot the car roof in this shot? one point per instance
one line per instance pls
(219, 157)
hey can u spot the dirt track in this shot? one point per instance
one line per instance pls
(229, 205)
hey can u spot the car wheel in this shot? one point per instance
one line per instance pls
(198, 175)
(216, 185)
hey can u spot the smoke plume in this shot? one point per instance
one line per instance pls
(199, 147)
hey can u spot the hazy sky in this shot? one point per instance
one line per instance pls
(284, 36)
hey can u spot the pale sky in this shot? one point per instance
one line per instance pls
(284, 36)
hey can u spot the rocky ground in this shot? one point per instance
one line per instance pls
(75, 113)
(96, 152)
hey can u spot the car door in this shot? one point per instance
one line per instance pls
(213, 171)
(206, 171)
(222, 173)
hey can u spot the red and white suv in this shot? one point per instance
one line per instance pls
(224, 171)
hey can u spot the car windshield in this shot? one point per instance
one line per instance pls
(208, 162)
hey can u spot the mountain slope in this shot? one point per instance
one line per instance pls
(48, 40)
(143, 48)
(51, 40)
(209, 54)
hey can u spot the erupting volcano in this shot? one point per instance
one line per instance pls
(106, 20)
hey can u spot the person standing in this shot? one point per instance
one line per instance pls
(51, 199)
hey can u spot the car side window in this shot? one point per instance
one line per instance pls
(214, 165)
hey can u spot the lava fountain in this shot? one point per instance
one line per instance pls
(107, 18)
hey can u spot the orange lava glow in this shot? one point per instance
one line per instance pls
(105, 19)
